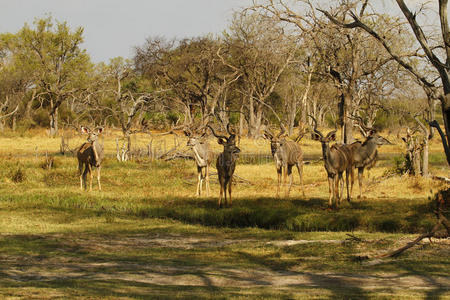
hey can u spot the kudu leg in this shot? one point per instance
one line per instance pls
(199, 181)
(331, 190)
(201, 186)
(341, 187)
(225, 201)
(285, 172)
(221, 183)
(352, 180)
(279, 181)
(207, 181)
(360, 179)
(91, 175)
(80, 171)
(289, 172)
(346, 182)
(84, 176)
(337, 180)
(98, 178)
(229, 190)
(300, 174)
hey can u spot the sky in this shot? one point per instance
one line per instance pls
(114, 27)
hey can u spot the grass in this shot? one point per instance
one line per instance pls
(146, 236)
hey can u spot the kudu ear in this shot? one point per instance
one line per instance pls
(267, 136)
(386, 141)
(85, 130)
(221, 141)
(331, 136)
(99, 130)
(315, 136)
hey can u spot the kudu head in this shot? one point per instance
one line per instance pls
(196, 137)
(228, 143)
(92, 134)
(318, 136)
(275, 141)
(371, 134)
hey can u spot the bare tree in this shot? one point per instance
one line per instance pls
(260, 52)
(436, 51)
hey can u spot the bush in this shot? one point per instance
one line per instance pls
(18, 175)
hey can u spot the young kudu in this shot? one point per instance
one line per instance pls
(286, 154)
(337, 159)
(89, 155)
(365, 154)
(226, 163)
(202, 155)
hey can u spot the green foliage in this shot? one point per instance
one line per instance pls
(400, 166)
(173, 117)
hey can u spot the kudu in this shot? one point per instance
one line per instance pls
(365, 154)
(286, 154)
(337, 159)
(202, 155)
(89, 155)
(226, 163)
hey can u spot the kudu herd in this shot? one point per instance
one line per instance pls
(337, 158)
(345, 157)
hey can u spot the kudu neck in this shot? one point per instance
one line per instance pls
(326, 151)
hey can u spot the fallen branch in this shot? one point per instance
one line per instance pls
(411, 244)
(178, 155)
(445, 179)
(441, 222)
(351, 237)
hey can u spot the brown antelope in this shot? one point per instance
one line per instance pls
(202, 155)
(365, 154)
(226, 163)
(337, 159)
(286, 154)
(89, 155)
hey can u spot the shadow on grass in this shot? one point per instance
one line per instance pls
(293, 214)
(120, 265)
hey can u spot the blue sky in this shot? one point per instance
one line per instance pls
(113, 27)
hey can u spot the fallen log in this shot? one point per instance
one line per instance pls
(442, 223)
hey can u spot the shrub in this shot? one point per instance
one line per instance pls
(18, 175)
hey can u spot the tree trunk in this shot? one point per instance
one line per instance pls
(348, 126)
(255, 117)
(425, 157)
(291, 114)
(241, 119)
(446, 116)
(304, 102)
(53, 121)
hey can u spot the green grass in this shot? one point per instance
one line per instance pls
(145, 236)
